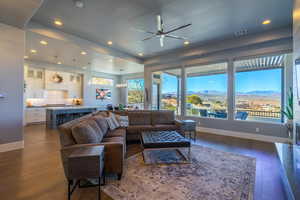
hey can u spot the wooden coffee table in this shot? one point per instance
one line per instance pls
(159, 140)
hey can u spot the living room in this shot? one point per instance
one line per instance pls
(158, 103)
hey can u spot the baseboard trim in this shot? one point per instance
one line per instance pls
(11, 146)
(245, 135)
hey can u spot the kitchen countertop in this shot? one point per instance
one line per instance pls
(47, 106)
(72, 107)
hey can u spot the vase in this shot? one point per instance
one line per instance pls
(289, 125)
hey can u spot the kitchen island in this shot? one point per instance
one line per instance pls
(59, 115)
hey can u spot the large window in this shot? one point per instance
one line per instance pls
(102, 81)
(258, 88)
(135, 92)
(206, 91)
(166, 87)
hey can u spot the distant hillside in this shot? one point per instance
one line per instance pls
(252, 93)
(261, 93)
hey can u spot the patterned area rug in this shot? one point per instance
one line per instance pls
(212, 175)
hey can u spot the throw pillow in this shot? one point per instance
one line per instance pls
(111, 124)
(102, 123)
(83, 133)
(96, 128)
(115, 121)
(124, 121)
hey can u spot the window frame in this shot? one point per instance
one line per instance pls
(127, 80)
(283, 95)
(227, 89)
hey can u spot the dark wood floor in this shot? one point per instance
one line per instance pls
(35, 173)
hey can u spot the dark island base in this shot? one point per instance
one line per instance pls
(289, 156)
(58, 116)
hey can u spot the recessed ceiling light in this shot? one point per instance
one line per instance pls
(25, 57)
(58, 22)
(79, 3)
(59, 63)
(186, 42)
(141, 54)
(83, 53)
(43, 42)
(266, 22)
(33, 51)
(109, 42)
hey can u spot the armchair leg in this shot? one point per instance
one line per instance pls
(119, 176)
(69, 189)
(99, 188)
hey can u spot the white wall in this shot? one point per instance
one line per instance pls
(89, 90)
(12, 42)
(296, 38)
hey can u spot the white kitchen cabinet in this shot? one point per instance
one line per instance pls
(35, 115)
(35, 84)
(75, 87)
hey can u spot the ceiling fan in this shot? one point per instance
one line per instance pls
(161, 34)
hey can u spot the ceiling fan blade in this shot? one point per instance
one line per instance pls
(176, 37)
(148, 38)
(161, 40)
(159, 23)
(176, 29)
(142, 31)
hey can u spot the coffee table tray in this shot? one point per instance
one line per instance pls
(160, 140)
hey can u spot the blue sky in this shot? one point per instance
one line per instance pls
(245, 82)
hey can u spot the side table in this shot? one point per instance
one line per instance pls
(83, 163)
(189, 126)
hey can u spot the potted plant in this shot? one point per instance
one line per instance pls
(289, 112)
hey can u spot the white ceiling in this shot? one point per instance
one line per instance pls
(69, 54)
(117, 20)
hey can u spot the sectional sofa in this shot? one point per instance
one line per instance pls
(77, 134)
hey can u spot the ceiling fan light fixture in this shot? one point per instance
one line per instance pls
(109, 42)
(83, 53)
(141, 54)
(162, 34)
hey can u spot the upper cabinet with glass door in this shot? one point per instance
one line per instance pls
(206, 91)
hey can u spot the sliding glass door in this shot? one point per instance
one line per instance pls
(166, 90)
